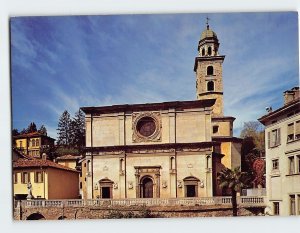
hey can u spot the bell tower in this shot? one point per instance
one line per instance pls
(208, 68)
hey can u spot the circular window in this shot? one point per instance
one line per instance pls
(146, 126)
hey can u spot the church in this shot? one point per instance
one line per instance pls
(164, 150)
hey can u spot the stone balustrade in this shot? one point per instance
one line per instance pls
(202, 201)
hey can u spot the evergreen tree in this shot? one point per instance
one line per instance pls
(15, 132)
(23, 131)
(78, 129)
(43, 130)
(31, 128)
(64, 129)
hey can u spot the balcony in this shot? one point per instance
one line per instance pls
(255, 201)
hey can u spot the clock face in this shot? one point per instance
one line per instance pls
(146, 126)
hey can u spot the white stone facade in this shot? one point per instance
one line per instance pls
(282, 137)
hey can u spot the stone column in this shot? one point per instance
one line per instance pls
(121, 118)
(137, 187)
(172, 126)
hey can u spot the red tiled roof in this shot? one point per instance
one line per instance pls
(33, 134)
(69, 157)
(20, 154)
(25, 163)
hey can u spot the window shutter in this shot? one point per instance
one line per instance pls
(279, 138)
(290, 129)
(297, 127)
(269, 139)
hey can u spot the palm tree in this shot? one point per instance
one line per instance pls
(234, 180)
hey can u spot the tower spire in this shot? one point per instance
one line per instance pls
(207, 25)
(208, 68)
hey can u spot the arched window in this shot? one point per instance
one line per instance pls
(210, 86)
(37, 143)
(209, 51)
(33, 142)
(210, 70)
(207, 161)
(172, 163)
(88, 169)
(122, 165)
(203, 52)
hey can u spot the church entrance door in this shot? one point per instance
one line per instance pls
(147, 188)
(191, 186)
(191, 191)
(106, 192)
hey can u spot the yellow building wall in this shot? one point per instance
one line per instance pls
(23, 141)
(63, 184)
(34, 147)
(225, 128)
(226, 150)
(68, 163)
(232, 152)
(39, 190)
(82, 179)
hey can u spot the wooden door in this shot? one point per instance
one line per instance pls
(148, 188)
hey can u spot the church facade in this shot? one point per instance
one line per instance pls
(164, 150)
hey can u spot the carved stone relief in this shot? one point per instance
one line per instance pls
(146, 127)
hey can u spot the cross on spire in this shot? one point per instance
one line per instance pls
(207, 25)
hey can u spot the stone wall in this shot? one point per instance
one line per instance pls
(71, 213)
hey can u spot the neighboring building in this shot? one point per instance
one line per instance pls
(168, 150)
(16, 154)
(70, 161)
(32, 143)
(282, 136)
(78, 163)
(83, 178)
(49, 180)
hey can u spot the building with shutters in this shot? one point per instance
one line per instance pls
(31, 144)
(48, 180)
(282, 136)
(164, 150)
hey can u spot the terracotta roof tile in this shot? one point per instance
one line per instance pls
(24, 163)
(33, 134)
(20, 154)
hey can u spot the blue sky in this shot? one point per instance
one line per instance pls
(66, 62)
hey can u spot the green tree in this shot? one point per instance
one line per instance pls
(23, 131)
(15, 132)
(253, 131)
(78, 130)
(233, 180)
(31, 128)
(43, 130)
(64, 129)
(253, 147)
